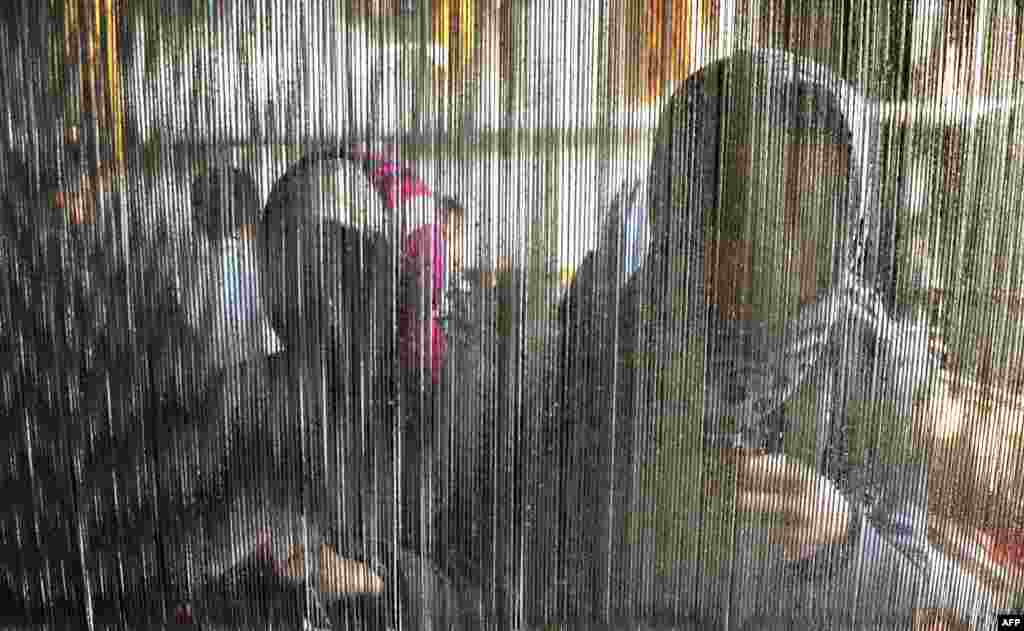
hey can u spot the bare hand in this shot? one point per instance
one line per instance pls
(337, 575)
(813, 511)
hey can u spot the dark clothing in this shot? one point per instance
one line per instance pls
(89, 364)
(345, 305)
(607, 457)
(632, 524)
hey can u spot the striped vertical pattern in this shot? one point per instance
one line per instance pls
(663, 43)
(92, 30)
(455, 32)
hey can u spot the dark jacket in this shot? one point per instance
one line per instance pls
(633, 434)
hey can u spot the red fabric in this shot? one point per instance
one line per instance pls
(424, 249)
(183, 615)
(1006, 546)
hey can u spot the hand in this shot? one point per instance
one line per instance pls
(937, 620)
(813, 511)
(337, 575)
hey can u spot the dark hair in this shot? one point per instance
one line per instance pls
(449, 208)
(223, 200)
(319, 277)
(450, 205)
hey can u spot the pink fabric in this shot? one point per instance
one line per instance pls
(183, 615)
(394, 181)
(424, 251)
(1006, 546)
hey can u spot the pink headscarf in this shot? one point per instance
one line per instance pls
(394, 181)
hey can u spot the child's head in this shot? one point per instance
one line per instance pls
(453, 228)
(224, 202)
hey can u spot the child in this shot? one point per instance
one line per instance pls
(425, 272)
(627, 222)
(435, 235)
(224, 301)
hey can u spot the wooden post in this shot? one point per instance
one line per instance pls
(664, 40)
(454, 28)
(91, 42)
(91, 39)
